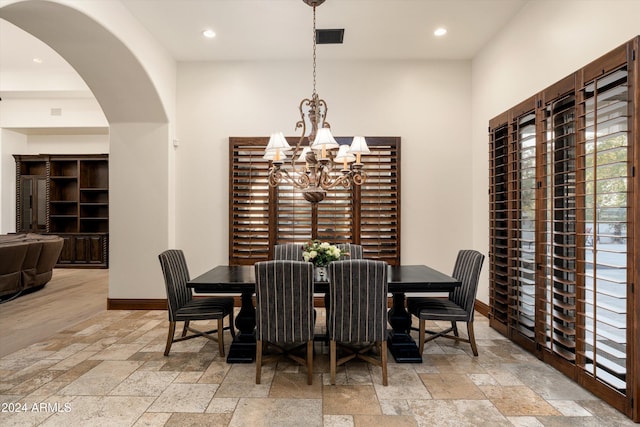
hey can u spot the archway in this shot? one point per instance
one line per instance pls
(139, 133)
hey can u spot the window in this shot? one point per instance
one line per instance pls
(261, 216)
(564, 204)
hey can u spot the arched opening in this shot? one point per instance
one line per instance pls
(139, 134)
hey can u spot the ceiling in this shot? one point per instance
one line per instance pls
(278, 29)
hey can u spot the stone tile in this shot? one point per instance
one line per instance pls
(222, 405)
(101, 410)
(257, 412)
(457, 413)
(549, 383)
(606, 413)
(101, 379)
(451, 386)
(145, 383)
(294, 386)
(518, 400)
(350, 399)
(190, 377)
(151, 419)
(338, 420)
(184, 398)
(384, 421)
(395, 407)
(72, 360)
(241, 382)
(34, 382)
(215, 373)
(403, 382)
(198, 420)
(569, 408)
(117, 352)
(525, 422)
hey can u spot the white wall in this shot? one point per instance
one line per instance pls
(67, 144)
(545, 42)
(10, 143)
(426, 103)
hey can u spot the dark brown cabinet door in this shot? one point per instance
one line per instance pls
(33, 204)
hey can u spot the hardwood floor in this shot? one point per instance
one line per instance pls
(72, 295)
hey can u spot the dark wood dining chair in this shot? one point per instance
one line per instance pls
(285, 319)
(357, 317)
(183, 307)
(459, 307)
(288, 251)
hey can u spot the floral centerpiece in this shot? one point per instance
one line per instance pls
(321, 253)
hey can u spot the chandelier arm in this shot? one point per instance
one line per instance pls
(278, 176)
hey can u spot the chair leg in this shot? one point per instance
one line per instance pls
(221, 336)
(421, 336)
(383, 360)
(472, 338)
(258, 360)
(185, 328)
(454, 328)
(310, 361)
(172, 330)
(332, 362)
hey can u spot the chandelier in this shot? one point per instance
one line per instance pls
(314, 161)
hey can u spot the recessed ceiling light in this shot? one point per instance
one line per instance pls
(439, 32)
(208, 33)
(38, 60)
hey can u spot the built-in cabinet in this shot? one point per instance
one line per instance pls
(564, 216)
(66, 195)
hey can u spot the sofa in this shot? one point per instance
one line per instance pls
(27, 261)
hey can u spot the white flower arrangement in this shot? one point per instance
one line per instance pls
(321, 253)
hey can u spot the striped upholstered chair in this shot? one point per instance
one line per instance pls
(183, 307)
(284, 311)
(457, 308)
(288, 251)
(354, 251)
(357, 318)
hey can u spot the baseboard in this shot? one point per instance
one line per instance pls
(136, 304)
(482, 308)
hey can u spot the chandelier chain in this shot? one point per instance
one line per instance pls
(314, 51)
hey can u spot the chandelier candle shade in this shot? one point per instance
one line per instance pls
(316, 148)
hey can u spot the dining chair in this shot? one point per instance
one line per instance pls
(284, 312)
(354, 251)
(357, 318)
(458, 307)
(183, 307)
(288, 251)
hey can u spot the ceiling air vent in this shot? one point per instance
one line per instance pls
(330, 36)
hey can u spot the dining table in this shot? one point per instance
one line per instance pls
(402, 279)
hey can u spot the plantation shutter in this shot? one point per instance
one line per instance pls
(261, 216)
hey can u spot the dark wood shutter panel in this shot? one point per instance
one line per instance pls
(260, 216)
(248, 202)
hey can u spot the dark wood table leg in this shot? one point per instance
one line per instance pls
(399, 341)
(243, 347)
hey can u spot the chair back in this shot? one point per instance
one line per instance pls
(358, 292)
(467, 270)
(284, 301)
(354, 251)
(176, 276)
(288, 251)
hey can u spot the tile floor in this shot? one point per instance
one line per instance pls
(110, 371)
